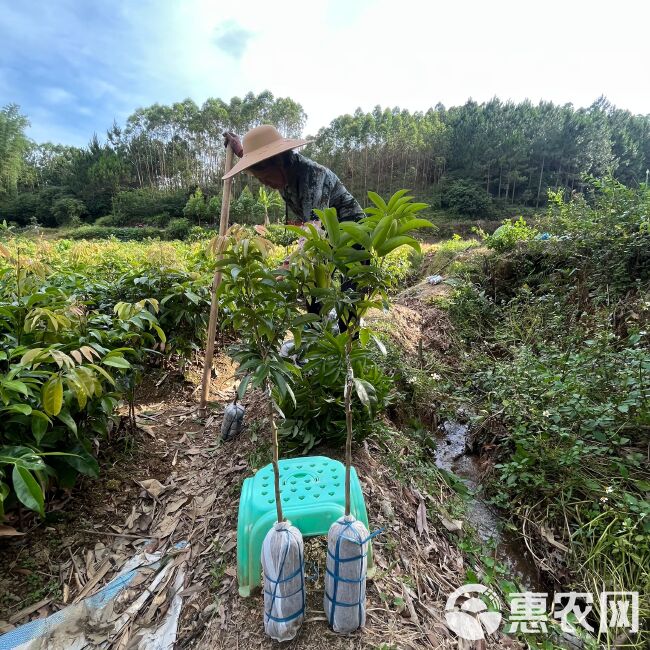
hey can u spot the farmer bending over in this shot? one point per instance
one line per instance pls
(304, 185)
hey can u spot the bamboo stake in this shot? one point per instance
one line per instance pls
(214, 305)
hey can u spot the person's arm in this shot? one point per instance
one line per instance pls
(229, 138)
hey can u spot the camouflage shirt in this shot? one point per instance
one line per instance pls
(314, 187)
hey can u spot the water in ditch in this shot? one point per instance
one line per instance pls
(452, 455)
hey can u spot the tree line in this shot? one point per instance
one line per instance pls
(465, 157)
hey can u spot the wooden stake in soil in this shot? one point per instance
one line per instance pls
(214, 305)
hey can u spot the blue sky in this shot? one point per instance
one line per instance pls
(74, 66)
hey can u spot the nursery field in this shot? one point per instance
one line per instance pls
(532, 341)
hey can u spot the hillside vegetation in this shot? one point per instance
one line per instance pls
(475, 161)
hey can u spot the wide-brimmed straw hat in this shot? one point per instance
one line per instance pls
(261, 143)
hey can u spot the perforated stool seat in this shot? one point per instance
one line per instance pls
(313, 498)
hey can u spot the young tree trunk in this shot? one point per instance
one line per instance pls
(539, 185)
(348, 420)
(276, 453)
(266, 216)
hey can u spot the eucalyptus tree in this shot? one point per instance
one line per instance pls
(13, 147)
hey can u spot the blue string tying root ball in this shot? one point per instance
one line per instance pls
(345, 578)
(283, 563)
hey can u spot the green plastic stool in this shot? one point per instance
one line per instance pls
(313, 498)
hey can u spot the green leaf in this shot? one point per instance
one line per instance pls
(362, 393)
(28, 490)
(116, 362)
(68, 420)
(52, 395)
(380, 345)
(377, 200)
(364, 336)
(159, 331)
(30, 356)
(395, 242)
(243, 384)
(331, 223)
(23, 409)
(23, 456)
(40, 422)
(413, 224)
(16, 386)
(83, 462)
(103, 373)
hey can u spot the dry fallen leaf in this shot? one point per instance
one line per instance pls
(8, 531)
(452, 525)
(166, 526)
(173, 506)
(153, 486)
(421, 519)
(202, 505)
(549, 537)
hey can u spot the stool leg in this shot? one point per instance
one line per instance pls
(255, 542)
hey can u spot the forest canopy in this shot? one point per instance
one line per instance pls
(466, 159)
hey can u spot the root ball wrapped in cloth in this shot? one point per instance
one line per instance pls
(233, 420)
(345, 578)
(283, 564)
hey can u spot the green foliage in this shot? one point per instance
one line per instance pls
(137, 206)
(260, 303)
(68, 211)
(63, 366)
(271, 203)
(121, 234)
(465, 198)
(75, 332)
(344, 266)
(245, 209)
(507, 236)
(213, 209)
(13, 146)
(318, 414)
(196, 208)
(178, 228)
(279, 235)
(558, 366)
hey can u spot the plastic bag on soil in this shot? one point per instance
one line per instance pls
(283, 563)
(345, 577)
(233, 420)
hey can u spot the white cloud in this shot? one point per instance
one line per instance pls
(414, 54)
(56, 95)
(331, 56)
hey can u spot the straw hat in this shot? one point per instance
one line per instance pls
(261, 143)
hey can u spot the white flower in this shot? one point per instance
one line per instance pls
(546, 413)
(435, 375)
(609, 489)
(604, 499)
